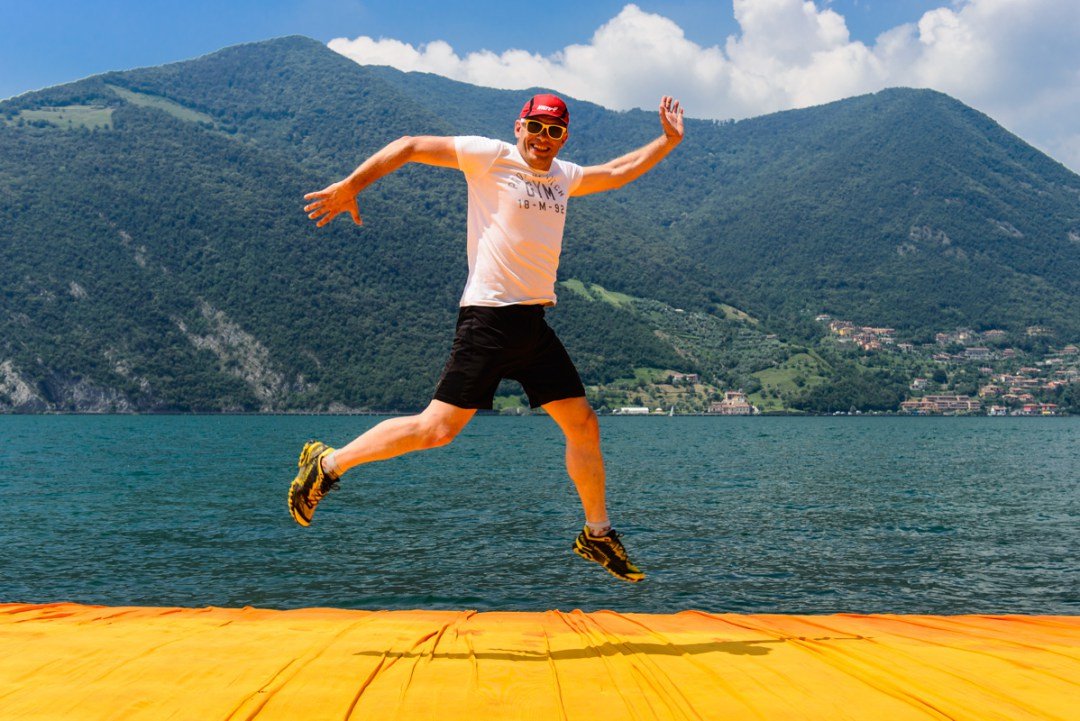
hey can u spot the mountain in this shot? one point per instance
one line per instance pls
(154, 255)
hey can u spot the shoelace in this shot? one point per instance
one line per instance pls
(619, 551)
(319, 490)
(612, 540)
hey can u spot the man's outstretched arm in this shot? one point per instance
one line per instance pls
(622, 170)
(341, 196)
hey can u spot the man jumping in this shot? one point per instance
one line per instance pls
(517, 208)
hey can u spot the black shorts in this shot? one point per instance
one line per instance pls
(512, 341)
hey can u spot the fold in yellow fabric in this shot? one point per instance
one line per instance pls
(68, 661)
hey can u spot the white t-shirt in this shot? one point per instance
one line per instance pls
(515, 226)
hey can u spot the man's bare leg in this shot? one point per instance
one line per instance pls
(584, 461)
(437, 425)
(597, 541)
(320, 467)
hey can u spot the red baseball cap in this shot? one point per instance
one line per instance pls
(546, 104)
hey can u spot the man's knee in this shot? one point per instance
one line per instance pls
(437, 428)
(581, 424)
(435, 433)
(590, 426)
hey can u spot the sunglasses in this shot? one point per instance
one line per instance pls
(535, 127)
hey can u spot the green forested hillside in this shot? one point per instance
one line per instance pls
(154, 255)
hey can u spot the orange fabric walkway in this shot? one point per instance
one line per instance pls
(73, 662)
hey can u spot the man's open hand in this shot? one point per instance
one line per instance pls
(671, 118)
(331, 201)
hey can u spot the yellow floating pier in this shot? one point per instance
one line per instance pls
(73, 662)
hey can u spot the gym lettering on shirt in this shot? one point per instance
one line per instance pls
(515, 223)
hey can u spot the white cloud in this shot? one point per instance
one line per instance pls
(1016, 60)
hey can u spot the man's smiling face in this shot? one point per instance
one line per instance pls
(538, 150)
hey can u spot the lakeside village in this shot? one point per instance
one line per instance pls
(1005, 385)
(734, 403)
(997, 380)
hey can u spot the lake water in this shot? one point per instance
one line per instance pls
(787, 515)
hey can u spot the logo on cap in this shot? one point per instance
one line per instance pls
(546, 104)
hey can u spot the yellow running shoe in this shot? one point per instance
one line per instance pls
(310, 484)
(608, 551)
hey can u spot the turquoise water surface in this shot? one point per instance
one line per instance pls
(810, 515)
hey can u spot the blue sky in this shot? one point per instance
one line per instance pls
(1016, 60)
(48, 43)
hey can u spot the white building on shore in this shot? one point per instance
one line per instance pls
(631, 411)
(734, 404)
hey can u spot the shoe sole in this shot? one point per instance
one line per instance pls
(294, 488)
(293, 492)
(584, 554)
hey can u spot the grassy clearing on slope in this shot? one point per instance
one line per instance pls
(577, 287)
(164, 104)
(68, 117)
(597, 292)
(509, 405)
(798, 373)
(733, 313)
(610, 296)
